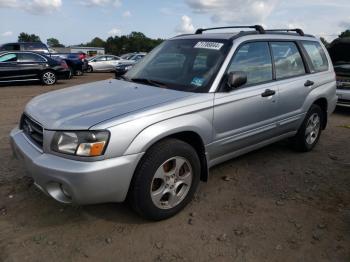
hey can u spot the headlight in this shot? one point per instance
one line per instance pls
(81, 143)
(128, 67)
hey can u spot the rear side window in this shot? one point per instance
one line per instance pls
(8, 58)
(255, 60)
(34, 46)
(287, 59)
(30, 58)
(11, 47)
(317, 56)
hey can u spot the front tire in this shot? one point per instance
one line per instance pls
(310, 131)
(49, 78)
(165, 180)
(89, 69)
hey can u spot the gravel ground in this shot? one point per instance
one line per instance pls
(270, 205)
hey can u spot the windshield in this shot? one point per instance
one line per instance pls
(183, 64)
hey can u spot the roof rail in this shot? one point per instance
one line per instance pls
(297, 30)
(258, 28)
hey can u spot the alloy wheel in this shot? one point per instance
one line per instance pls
(312, 128)
(171, 182)
(49, 78)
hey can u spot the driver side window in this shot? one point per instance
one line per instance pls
(254, 59)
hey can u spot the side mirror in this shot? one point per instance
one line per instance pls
(236, 79)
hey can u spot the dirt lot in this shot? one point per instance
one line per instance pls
(270, 205)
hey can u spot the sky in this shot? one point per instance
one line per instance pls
(79, 21)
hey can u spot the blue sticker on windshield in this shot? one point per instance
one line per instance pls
(197, 81)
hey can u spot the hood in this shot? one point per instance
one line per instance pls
(83, 106)
(342, 68)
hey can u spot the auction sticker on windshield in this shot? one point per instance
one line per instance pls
(209, 45)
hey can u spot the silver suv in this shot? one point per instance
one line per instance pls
(195, 101)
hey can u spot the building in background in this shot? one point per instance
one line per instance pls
(90, 51)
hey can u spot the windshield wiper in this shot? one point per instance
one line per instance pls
(148, 81)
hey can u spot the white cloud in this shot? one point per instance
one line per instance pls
(114, 31)
(238, 11)
(33, 6)
(185, 26)
(6, 34)
(127, 14)
(102, 3)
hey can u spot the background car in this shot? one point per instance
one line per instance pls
(137, 57)
(24, 66)
(339, 51)
(38, 47)
(104, 63)
(75, 61)
(121, 69)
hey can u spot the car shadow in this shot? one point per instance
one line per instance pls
(342, 110)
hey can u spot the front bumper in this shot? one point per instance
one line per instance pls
(343, 97)
(71, 181)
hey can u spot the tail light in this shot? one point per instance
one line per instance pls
(64, 64)
(82, 56)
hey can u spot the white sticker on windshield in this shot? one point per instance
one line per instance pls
(209, 45)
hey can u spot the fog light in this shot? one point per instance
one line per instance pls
(65, 191)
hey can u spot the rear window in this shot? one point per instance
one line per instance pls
(34, 46)
(287, 58)
(317, 56)
(23, 57)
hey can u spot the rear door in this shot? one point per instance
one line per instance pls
(247, 115)
(30, 65)
(8, 66)
(294, 83)
(100, 63)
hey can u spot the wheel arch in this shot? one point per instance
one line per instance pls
(323, 104)
(197, 132)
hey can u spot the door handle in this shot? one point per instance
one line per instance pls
(309, 83)
(268, 92)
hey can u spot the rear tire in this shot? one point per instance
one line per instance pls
(310, 131)
(49, 78)
(165, 180)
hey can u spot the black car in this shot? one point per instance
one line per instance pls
(28, 66)
(123, 68)
(38, 47)
(76, 65)
(339, 51)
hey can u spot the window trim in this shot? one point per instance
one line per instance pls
(220, 87)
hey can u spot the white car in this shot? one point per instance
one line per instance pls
(104, 63)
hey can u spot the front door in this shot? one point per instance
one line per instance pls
(247, 115)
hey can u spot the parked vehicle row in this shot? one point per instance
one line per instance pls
(18, 66)
(29, 61)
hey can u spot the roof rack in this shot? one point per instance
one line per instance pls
(297, 30)
(258, 28)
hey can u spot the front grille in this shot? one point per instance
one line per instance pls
(32, 129)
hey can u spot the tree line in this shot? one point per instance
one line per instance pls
(133, 42)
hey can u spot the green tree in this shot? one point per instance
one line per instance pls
(24, 37)
(134, 42)
(96, 42)
(53, 42)
(346, 33)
